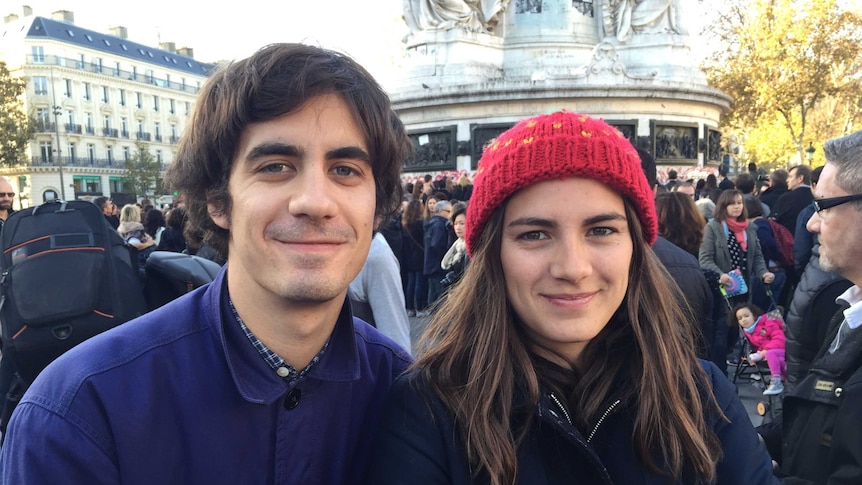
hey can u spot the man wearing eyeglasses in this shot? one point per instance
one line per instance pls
(821, 436)
(7, 196)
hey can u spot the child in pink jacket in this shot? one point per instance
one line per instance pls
(767, 337)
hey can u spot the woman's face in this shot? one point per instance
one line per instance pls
(430, 203)
(734, 210)
(565, 252)
(458, 225)
(744, 317)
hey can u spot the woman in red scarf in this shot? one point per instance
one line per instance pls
(730, 243)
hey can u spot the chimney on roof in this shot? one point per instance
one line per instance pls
(64, 16)
(26, 10)
(10, 18)
(119, 31)
(168, 46)
(186, 51)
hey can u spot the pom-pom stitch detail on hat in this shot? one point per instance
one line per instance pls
(558, 146)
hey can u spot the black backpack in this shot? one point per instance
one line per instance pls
(66, 276)
(170, 275)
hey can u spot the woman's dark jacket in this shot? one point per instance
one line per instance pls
(413, 246)
(419, 444)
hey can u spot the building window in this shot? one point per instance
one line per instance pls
(124, 125)
(140, 101)
(173, 133)
(150, 76)
(67, 84)
(105, 92)
(98, 62)
(116, 68)
(173, 106)
(88, 122)
(38, 54)
(109, 153)
(155, 103)
(159, 156)
(43, 118)
(73, 152)
(81, 61)
(40, 85)
(134, 73)
(126, 153)
(140, 127)
(70, 117)
(188, 107)
(91, 153)
(157, 128)
(122, 97)
(46, 151)
(107, 121)
(87, 93)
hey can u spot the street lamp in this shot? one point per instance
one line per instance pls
(809, 152)
(57, 112)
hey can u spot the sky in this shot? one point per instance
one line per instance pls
(370, 31)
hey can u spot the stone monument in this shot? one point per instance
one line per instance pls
(475, 67)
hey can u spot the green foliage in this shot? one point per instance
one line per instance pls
(792, 67)
(16, 129)
(143, 171)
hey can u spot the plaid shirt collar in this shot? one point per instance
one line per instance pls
(282, 368)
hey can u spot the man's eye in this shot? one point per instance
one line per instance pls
(345, 171)
(274, 168)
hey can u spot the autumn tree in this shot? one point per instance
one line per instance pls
(15, 127)
(143, 171)
(792, 67)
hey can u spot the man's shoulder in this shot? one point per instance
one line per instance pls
(125, 350)
(378, 348)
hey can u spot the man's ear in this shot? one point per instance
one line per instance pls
(217, 213)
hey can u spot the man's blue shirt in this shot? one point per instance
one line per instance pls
(180, 395)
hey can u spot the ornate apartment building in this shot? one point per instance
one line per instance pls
(93, 96)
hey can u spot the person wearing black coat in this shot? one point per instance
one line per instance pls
(787, 208)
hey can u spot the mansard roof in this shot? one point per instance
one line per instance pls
(73, 34)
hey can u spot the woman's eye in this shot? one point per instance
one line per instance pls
(602, 231)
(533, 236)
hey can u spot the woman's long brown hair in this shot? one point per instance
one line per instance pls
(477, 360)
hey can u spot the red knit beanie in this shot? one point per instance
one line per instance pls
(558, 146)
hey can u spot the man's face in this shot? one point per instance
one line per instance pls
(686, 189)
(302, 207)
(110, 208)
(839, 230)
(794, 180)
(7, 195)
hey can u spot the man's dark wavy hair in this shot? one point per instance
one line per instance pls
(278, 80)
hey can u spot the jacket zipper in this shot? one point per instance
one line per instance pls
(562, 408)
(602, 419)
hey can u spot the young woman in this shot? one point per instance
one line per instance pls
(563, 355)
(416, 292)
(730, 244)
(679, 221)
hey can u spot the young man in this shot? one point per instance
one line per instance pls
(263, 376)
(822, 439)
(788, 206)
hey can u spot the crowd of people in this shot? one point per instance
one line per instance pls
(581, 316)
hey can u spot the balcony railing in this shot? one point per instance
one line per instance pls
(73, 128)
(44, 126)
(158, 138)
(112, 72)
(174, 140)
(124, 134)
(81, 162)
(90, 130)
(143, 136)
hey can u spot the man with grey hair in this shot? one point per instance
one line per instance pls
(436, 245)
(821, 436)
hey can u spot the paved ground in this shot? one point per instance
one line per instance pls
(750, 390)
